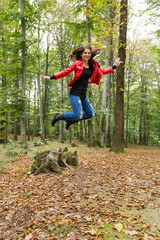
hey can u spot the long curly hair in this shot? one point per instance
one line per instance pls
(76, 54)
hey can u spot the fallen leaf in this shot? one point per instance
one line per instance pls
(28, 237)
(92, 232)
(118, 226)
(132, 233)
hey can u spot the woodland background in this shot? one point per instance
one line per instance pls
(109, 195)
(35, 39)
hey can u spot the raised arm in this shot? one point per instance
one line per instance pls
(111, 69)
(118, 62)
(62, 74)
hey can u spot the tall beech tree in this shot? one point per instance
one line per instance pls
(3, 108)
(105, 134)
(118, 136)
(90, 127)
(23, 72)
(39, 87)
(110, 83)
(129, 78)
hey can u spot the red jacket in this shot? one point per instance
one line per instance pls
(77, 67)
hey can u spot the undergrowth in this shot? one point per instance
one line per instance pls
(10, 152)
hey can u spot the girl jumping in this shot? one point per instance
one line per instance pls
(86, 71)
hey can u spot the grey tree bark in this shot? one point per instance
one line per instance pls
(90, 127)
(16, 86)
(128, 91)
(23, 80)
(39, 87)
(35, 109)
(106, 89)
(110, 78)
(3, 110)
(46, 86)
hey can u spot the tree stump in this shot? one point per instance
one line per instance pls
(52, 161)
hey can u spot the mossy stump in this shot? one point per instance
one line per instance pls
(52, 161)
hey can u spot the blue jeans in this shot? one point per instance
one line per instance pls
(79, 105)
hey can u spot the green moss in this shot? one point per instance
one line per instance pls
(68, 154)
(62, 229)
(108, 231)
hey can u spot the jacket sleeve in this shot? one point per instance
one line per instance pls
(65, 72)
(108, 70)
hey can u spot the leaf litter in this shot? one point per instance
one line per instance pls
(108, 196)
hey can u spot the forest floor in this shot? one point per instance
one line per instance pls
(108, 196)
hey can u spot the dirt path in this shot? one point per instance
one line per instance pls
(108, 196)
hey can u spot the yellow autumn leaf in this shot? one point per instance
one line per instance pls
(118, 227)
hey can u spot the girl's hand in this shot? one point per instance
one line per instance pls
(46, 77)
(118, 62)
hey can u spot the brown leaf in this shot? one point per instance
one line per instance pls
(132, 233)
(92, 232)
(28, 237)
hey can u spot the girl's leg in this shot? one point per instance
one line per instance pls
(76, 104)
(77, 113)
(87, 108)
(88, 112)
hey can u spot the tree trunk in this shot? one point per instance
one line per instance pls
(140, 124)
(23, 113)
(28, 117)
(128, 92)
(158, 83)
(110, 77)
(145, 123)
(15, 137)
(108, 134)
(105, 90)
(142, 113)
(134, 132)
(85, 131)
(127, 110)
(45, 100)
(35, 110)
(51, 161)
(61, 49)
(4, 122)
(118, 136)
(81, 131)
(62, 122)
(3, 110)
(90, 128)
(39, 88)
(104, 103)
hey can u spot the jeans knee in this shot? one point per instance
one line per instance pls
(79, 116)
(91, 115)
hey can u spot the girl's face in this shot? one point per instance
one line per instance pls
(86, 54)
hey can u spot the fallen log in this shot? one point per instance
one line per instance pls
(52, 161)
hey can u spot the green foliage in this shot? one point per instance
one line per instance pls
(154, 12)
(10, 152)
(144, 96)
(63, 27)
(61, 229)
(36, 164)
